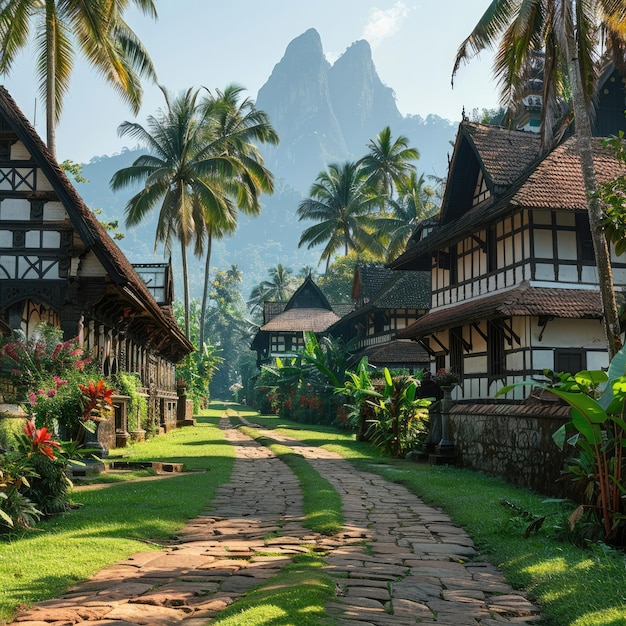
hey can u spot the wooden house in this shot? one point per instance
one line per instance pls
(514, 281)
(284, 323)
(58, 265)
(386, 302)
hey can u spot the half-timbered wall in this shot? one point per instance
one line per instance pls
(488, 260)
(382, 326)
(541, 246)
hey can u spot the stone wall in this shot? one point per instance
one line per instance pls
(514, 442)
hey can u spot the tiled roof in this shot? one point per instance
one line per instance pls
(88, 227)
(371, 279)
(396, 352)
(296, 320)
(405, 290)
(342, 309)
(272, 309)
(557, 181)
(523, 300)
(505, 153)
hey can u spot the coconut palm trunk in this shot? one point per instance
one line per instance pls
(579, 35)
(594, 208)
(205, 290)
(51, 89)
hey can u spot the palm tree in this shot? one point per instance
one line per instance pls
(234, 128)
(177, 173)
(279, 287)
(341, 202)
(416, 201)
(388, 162)
(569, 33)
(97, 28)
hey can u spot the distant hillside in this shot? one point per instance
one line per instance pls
(325, 113)
(322, 113)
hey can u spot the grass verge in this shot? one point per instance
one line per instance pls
(573, 586)
(321, 502)
(118, 521)
(296, 595)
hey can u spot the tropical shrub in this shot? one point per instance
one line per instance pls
(399, 423)
(55, 382)
(597, 434)
(32, 478)
(129, 384)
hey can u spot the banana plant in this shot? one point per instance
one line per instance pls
(598, 405)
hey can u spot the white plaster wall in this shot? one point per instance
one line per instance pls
(542, 359)
(544, 271)
(564, 333)
(14, 209)
(19, 152)
(566, 244)
(543, 244)
(475, 364)
(43, 184)
(90, 266)
(51, 239)
(54, 212)
(8, 263)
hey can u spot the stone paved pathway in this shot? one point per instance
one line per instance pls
(412, 568)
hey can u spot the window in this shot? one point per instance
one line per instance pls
(454, 265)
(583, 239)
(571, 360)
(492, 250)
(496, 362)
(456, 350)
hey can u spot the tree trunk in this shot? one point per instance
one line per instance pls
(185, 285)
(594, 208)
(51, 107)
(205, 292)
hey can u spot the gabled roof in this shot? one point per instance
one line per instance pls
(369, 279)
(308, 296)
(554, 182)
(404, 290)
(84, 222)
(299, 320)
(307, 309)
(557, 183)
(504, 154)
(523, 300)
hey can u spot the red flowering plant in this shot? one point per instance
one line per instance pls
(446, 378)
(97, 403)
(28, 363)
(32, 478)
(38, 440)
(55, 382)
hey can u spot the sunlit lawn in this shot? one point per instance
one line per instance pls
(116, 521)
(574, 586)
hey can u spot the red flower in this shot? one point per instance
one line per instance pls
(98, 401)
(41, 440)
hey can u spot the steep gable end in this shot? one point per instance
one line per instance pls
(308, 296)
(487, 161)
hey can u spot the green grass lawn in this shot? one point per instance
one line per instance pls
(574, 586)
(117, 521)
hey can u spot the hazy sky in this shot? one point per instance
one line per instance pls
(207, 43)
